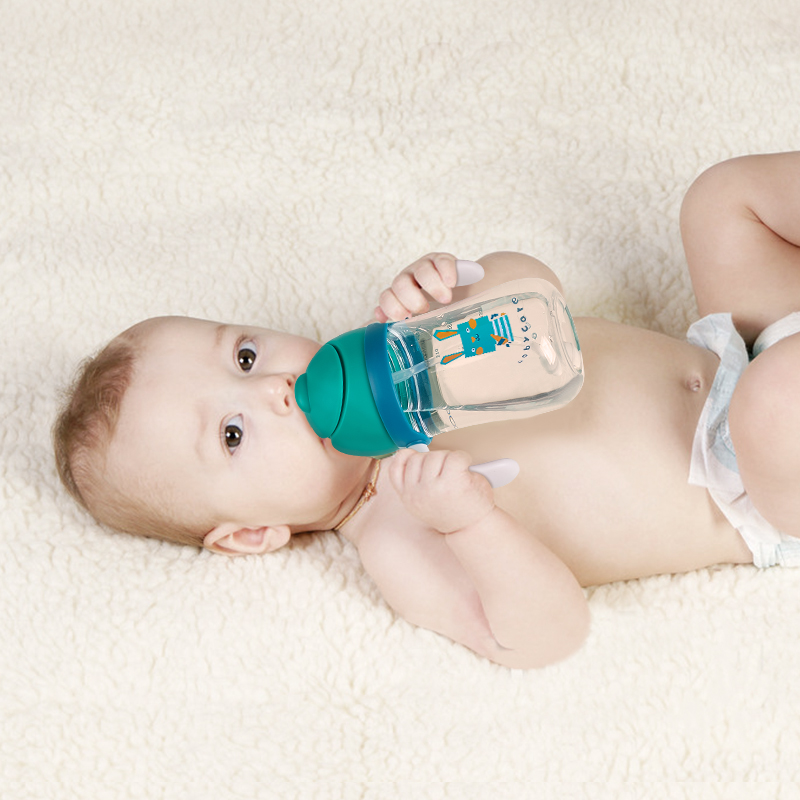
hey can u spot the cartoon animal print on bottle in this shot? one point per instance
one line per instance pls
(478, 336)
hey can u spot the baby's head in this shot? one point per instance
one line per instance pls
(188, 430)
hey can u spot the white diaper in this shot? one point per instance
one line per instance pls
(713, 457)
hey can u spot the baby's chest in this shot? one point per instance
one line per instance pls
(627, 417)
(574, 466)
(606, 477)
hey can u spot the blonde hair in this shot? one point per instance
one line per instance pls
(81, 435)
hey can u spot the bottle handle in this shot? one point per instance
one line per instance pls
(498, 472)
(468, 272)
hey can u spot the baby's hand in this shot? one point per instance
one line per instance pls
(439, 490)
(434, 274)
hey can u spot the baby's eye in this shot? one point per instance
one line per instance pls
(233, 433)
(246, 356)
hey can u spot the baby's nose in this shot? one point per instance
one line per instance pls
(279, 391)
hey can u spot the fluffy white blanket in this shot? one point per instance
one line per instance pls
(277, 162)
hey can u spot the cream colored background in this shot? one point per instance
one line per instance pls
(277, 163)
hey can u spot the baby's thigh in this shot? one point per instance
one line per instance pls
(764, 420)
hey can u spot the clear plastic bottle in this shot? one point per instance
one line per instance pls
(507, 353)
(511, 351)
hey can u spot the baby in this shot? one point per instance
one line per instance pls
(674, 456)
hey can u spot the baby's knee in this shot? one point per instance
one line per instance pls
(764, 420)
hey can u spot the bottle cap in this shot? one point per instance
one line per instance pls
(335, 395)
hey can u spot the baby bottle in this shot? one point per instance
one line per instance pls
(509, 352)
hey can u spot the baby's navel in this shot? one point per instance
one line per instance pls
(694, 383)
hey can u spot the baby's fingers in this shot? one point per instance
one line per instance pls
(397, 469)
(407, 291)
(436, 274)
(411, 469)
(455, 464)
(390, 308)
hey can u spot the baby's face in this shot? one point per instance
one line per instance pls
(210, 426)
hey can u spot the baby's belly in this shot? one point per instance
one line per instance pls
(604, 481)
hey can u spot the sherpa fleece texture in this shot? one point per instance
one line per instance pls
(276, 162)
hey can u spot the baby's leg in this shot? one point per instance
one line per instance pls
(764, 420)
(740, 223)
(741, 232)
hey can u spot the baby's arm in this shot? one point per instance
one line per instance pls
(473, 573)
(740, 223)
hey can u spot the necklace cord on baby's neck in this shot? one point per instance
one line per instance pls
(367, 494)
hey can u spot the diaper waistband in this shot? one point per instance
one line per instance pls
(772, 334)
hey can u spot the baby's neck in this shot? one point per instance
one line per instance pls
(362, 493)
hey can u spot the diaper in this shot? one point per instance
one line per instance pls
(714, 463)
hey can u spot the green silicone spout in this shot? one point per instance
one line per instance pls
(335, 395)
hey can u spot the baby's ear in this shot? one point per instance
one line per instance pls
(231, 540)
